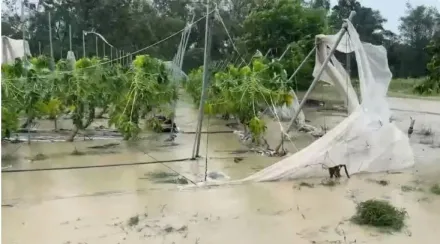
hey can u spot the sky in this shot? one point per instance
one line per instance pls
(392, 10)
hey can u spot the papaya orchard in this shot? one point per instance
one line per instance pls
(244, 93)
(78, 89)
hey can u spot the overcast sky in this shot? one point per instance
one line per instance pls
(392, 10)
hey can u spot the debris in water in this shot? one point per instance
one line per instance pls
(77, 153)
(426, 131)
(379, 213)
(39, 157)
(238, 159)
(160, 175)
(305, 184)
(380, 182)
(407, 188)
(133, 220)
(105, 146)
(329, 183)
(435, 189)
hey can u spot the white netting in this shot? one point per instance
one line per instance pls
(365, 141)
(71, 59)
(12, 49)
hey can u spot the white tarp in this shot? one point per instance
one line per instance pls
(365, 141)
(12, 49)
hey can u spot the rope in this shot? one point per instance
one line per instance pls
(96, 166)
(227, 32)
(135, 52)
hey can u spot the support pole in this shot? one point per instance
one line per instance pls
(316, 79)
(111, 54)
(23, 29)
(39, 47)
(84, 44)
(50, 44)
(103, 49)
(196, 147)
(96, 46)
(70, 38)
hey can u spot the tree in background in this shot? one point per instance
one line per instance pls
(252, 25)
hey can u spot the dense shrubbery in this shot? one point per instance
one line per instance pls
(80, 88)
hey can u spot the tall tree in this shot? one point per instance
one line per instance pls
(417, 28)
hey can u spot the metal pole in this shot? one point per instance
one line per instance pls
(70, 37)
(318, 76)
(84, 44)
(39, 47)
(103, 49)
(111, 54)
(96, 46)
(196, 147)
(50, 43)
(23, 29)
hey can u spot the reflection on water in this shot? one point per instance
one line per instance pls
(95, 205)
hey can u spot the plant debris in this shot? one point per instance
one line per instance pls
(305, 184)
(39, 157)
(379, 213)
(329, 183)
(133, 221)
(435, 189)
(105, 146)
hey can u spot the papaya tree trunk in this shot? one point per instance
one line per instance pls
(55, 125)
(74, 133)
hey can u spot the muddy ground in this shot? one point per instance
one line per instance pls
(142, 203)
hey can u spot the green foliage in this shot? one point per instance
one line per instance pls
(379, 214)
(80, 89)
(244, 92)
(431, 85)
(148, 87)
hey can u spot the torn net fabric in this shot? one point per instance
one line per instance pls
(366, 141)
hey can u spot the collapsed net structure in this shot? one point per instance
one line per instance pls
(366, 141)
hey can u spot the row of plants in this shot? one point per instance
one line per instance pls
(127, 94)
(243, 92)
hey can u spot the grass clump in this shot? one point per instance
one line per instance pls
(379, 213)
(435, 189)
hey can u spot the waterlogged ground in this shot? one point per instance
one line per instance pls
(140, 203)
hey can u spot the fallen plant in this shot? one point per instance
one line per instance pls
(305, 184)
(379, 213)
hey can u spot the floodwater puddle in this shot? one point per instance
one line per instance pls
(143, 204)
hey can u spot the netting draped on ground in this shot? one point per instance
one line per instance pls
(366, 141)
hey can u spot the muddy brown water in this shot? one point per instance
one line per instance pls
(95, 205)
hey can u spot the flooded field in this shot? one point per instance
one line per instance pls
(141, 203)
